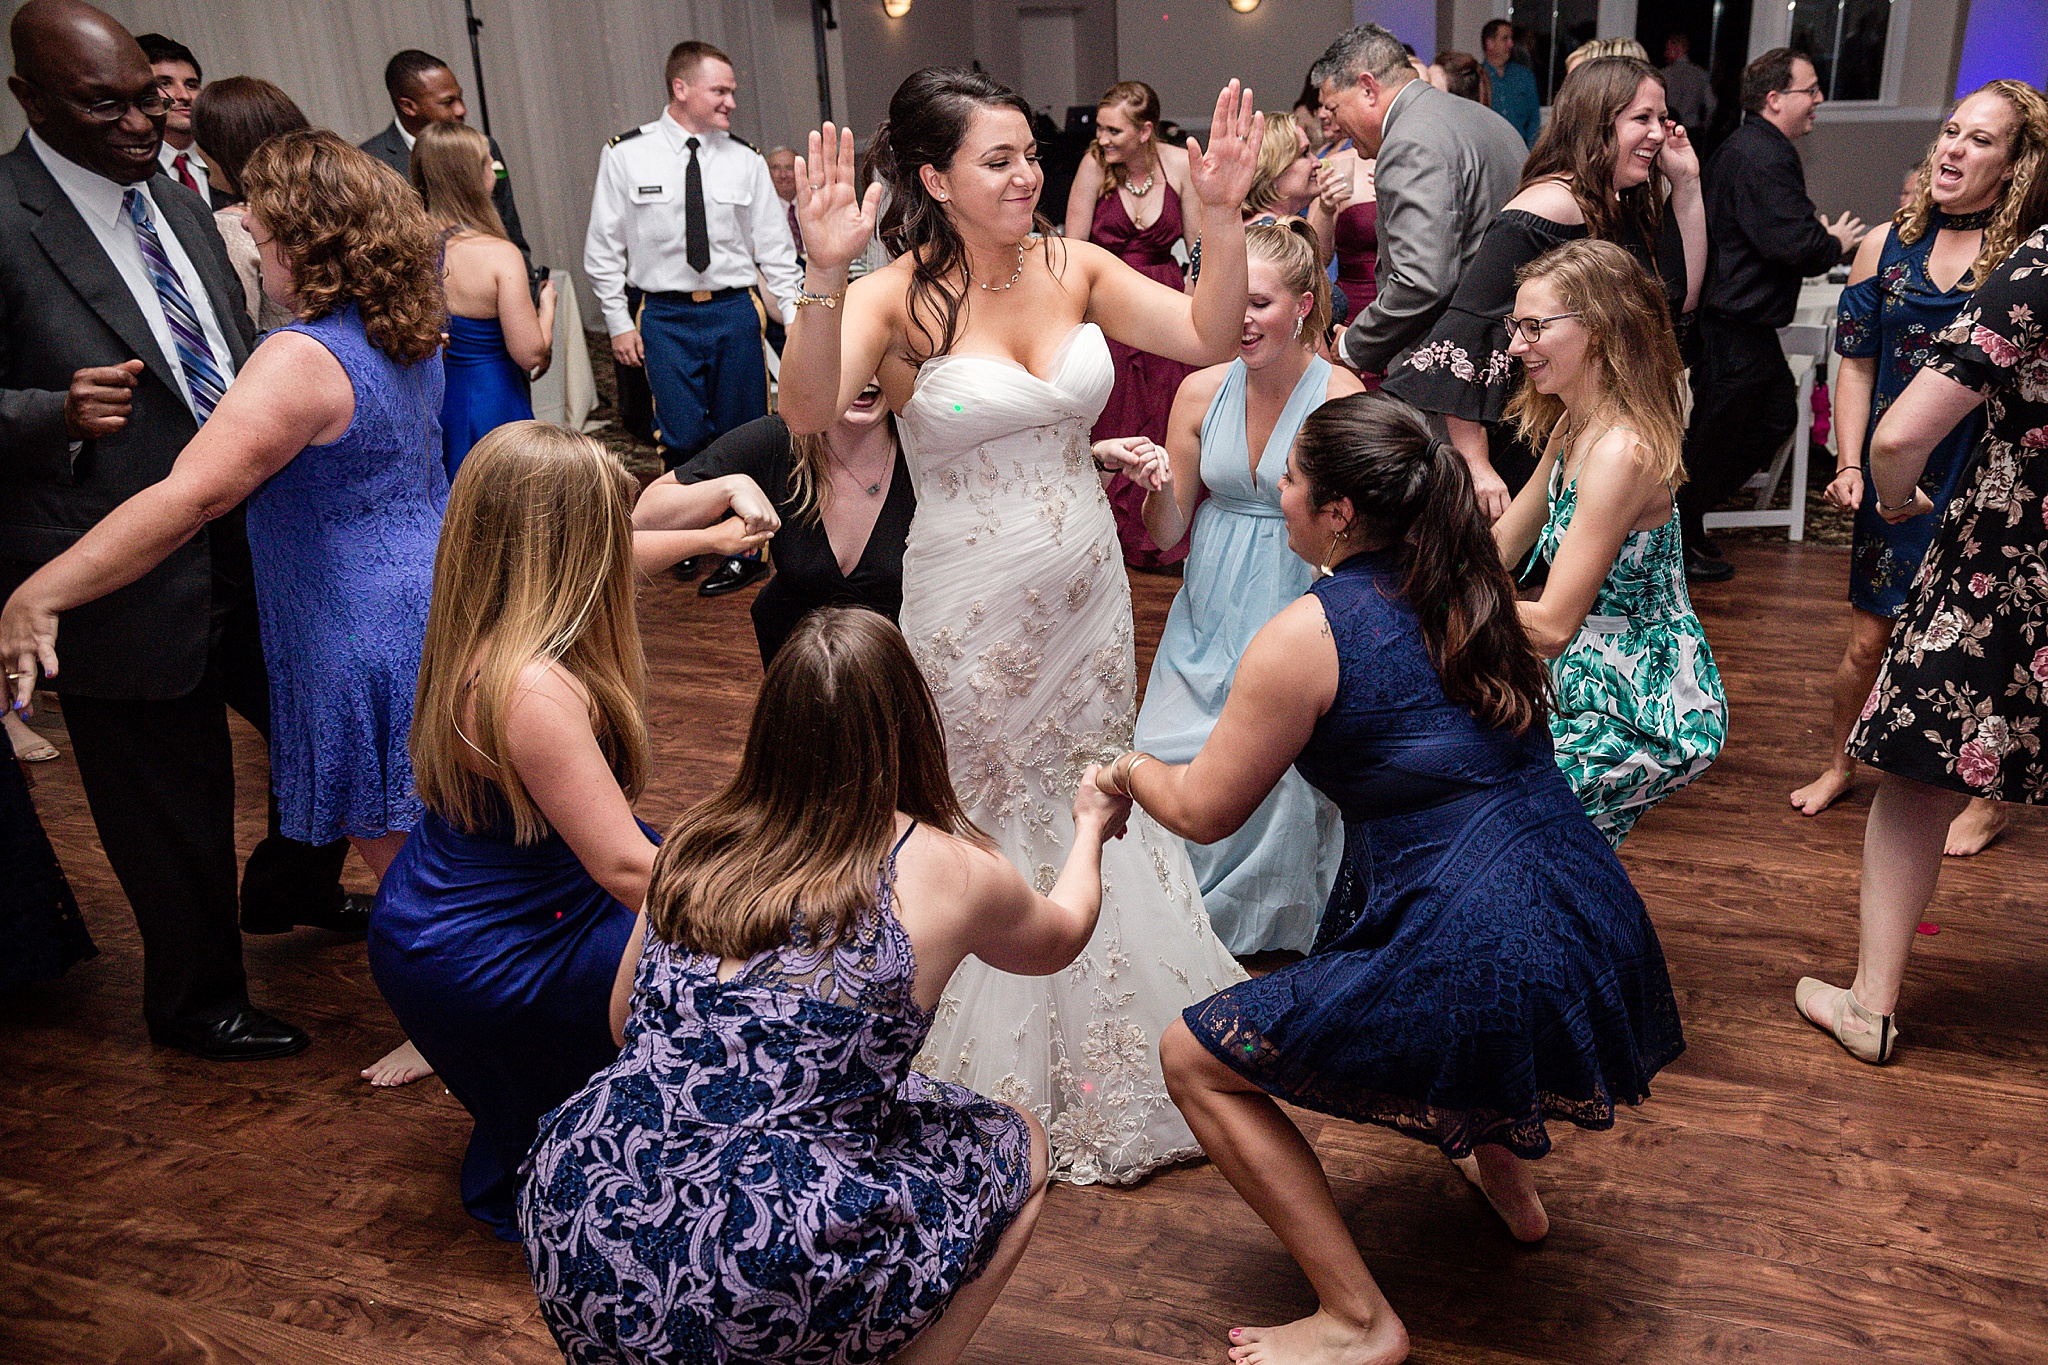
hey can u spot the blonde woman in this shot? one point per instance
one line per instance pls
(1639, 710)
(499, 929)
(1264, 886)
(499, 337)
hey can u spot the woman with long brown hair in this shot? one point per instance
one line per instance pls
(1131, 196)
(1639, 709)
(230, 120)
(343, 540)
(1477, 906)
(989, 337)
(499, 335)
(1610, 166)
(799, 929)
(499, 929)
(1981, 189)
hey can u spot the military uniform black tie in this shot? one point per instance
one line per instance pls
(696, 233)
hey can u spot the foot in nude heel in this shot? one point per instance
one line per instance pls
(1835, 1010)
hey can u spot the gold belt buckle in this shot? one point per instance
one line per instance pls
(700, 296)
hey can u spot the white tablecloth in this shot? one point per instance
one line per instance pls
(567, 392)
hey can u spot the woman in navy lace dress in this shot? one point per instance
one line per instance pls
(1910, 279)
(761, 1176)
(331, 434)
(1484, 965)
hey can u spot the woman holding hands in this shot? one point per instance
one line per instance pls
(989, 340)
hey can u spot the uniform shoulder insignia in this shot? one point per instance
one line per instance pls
(743, 142)
(626, 136)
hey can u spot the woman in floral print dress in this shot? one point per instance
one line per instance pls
(1952, 228)
(1959, 706)
(1638, 710)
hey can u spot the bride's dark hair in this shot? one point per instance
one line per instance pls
(1410, 491)
(928, 120)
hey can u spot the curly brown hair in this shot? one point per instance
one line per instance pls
(2022, 205)
(352, 233)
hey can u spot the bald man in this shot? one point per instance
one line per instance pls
(121, 321)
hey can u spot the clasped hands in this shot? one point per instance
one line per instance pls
(1142, 461)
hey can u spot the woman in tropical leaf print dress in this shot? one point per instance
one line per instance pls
(1961, 704)
(1638, 710)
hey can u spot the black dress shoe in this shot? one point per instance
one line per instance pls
(686, 570)
(350, 915)
(247, 1035)
(1701, 568)
(733, 575)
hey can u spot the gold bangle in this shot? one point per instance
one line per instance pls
(804, 298)
(1129, 772)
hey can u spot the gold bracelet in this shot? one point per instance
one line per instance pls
(1136, 759)
(805, 298)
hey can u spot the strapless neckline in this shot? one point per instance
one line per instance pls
(1060, 357)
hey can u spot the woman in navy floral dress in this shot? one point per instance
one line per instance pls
(1895, 306)
(1961, 703)
(761, 1176)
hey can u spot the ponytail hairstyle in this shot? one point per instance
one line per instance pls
(1410, 491)
(928, 120)
(1628, 337)
(2022, 205)
(1290, 247)
(1141, 102)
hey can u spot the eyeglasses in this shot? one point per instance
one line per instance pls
(1812, 92)
(1531, 329)
(153, 105)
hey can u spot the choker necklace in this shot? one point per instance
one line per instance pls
(1965, 222)
(1015, 275)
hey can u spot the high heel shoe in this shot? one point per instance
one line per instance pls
(1874, 1045)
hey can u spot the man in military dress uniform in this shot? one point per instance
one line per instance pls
(683, 218)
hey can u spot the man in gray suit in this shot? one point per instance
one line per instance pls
(121, 322)
(1445, 167)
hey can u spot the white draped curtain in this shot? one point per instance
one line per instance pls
(561, 76)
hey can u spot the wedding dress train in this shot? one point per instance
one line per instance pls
(1017, 609)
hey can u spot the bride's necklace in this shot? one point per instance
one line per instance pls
(1015, 275)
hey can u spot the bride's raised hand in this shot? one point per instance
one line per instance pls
(835, 220)
(1224, 172)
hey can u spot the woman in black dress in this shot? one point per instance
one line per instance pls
(1961, 706)
(1601, 169)
(843, 500)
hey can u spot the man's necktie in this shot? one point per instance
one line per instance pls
(182, 164)
(203, 378)
(796, 233)
(696, 232)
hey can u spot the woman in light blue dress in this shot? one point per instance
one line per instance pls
(1264, 886)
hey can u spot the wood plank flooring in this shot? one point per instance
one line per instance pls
(1775, 1201)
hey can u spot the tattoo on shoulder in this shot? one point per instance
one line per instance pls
(1323, 623)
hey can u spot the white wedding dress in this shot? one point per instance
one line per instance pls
(1018, 612)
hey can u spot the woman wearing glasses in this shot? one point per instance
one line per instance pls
(1610, 166)
(1638, 710)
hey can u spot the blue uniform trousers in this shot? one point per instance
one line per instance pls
(705, 367)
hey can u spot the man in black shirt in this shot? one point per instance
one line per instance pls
(1766, 237)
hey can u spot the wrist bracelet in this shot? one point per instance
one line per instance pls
(1882, 506)
(804, 297)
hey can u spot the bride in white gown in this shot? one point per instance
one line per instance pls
(988, 341)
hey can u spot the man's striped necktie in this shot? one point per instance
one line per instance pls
(203, 378)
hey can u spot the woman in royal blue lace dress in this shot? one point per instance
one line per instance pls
(1484, 964)
(761, 1176)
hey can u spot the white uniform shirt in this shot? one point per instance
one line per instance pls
(637, 227)
(98, 201)
(167, 154)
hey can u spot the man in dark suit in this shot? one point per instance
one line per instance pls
(121, 321)
(423, 90)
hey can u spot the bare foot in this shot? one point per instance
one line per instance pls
(1973, 831)
(1830, 787)
(401, 1066)
(1510, 1186)
(1322, 1340)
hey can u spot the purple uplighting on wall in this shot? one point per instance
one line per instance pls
(2005, 38)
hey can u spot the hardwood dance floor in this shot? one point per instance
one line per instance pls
(1774, 1201)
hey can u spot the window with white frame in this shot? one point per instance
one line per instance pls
(1846, 40)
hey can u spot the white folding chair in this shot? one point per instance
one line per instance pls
(1806, 351)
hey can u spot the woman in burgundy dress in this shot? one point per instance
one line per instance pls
(1127, 199)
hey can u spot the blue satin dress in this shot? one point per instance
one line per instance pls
(485, 388)
(1484, 963)
(498, 959)
(1264, 886)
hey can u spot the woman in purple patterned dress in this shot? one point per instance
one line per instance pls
(761, 1176)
